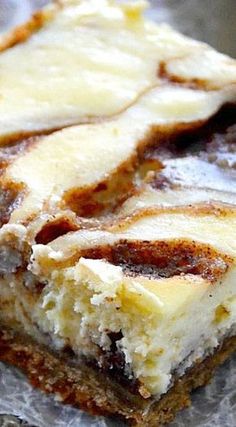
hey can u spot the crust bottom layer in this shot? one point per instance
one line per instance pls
(85, 387)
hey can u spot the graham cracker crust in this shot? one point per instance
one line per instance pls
(89, 389)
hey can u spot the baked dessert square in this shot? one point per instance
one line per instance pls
(118, 209)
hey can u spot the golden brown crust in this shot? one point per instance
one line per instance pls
(87, 388)
(22, 32)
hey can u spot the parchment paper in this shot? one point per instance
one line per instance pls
(215, 405)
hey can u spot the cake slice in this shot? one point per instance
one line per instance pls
(118, 209)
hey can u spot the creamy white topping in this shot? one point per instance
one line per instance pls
(86, 155)
(89, 59)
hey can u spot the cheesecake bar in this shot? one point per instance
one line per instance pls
(117, 209)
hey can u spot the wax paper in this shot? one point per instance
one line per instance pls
(215, 405)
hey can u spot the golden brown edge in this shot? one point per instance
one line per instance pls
(85, 387)
(22, 32)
